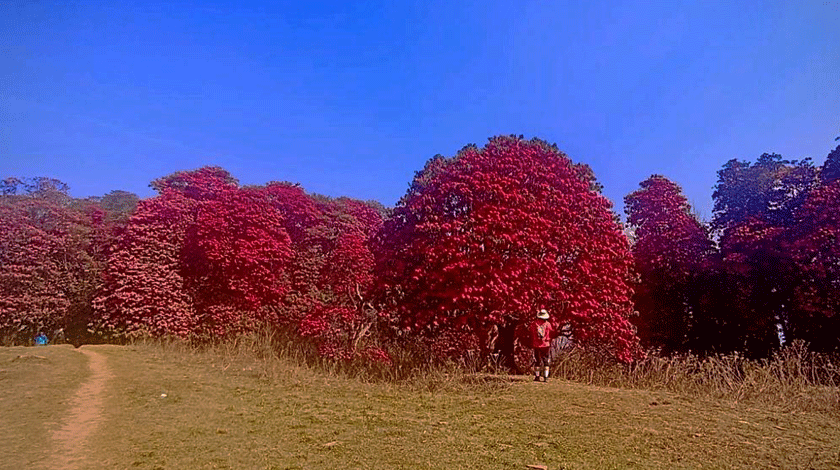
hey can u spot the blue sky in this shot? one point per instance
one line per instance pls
(351, 98)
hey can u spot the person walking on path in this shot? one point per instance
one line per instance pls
(541, 333)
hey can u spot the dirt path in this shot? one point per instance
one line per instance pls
(70, 441)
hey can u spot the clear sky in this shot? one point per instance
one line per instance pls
(351, 98)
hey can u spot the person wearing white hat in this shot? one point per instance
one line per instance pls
(542, 332)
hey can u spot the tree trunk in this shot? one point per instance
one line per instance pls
(505, 346)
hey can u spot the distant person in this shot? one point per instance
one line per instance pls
(41, 339)
(542, 332)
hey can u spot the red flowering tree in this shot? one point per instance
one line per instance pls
(485, 238)
(816, 248)
(333, 306)
(30, 294)
(236, 260)
(203, 257)
(669, 250)
(143, 291)
(49, 257)
(330, 271)
(348, 270)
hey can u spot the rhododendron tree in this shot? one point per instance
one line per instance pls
(816, 248)
(303, 222)
(670, 249)
(348, 267)
(30, 279)
(490, 235)
(203, 257)
(236, 259)
(49, 257)
(335, 276)
(144, 290)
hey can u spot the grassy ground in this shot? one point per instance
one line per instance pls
(36, 385)
(174, 409)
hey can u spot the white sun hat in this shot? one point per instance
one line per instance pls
(542, 314)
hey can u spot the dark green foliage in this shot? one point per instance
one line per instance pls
(831, 168)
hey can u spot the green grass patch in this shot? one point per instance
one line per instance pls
(169, 407)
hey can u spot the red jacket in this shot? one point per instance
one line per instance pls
(542, 332)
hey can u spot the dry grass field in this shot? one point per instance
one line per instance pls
(163, 407)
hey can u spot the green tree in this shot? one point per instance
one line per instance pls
(754, 218)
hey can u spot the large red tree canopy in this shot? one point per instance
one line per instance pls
(504, 230)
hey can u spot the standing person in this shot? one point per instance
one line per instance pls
(542, 332)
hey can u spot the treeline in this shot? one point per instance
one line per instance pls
(480, 241)
(765, 270)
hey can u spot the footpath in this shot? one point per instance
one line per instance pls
(70, 440)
